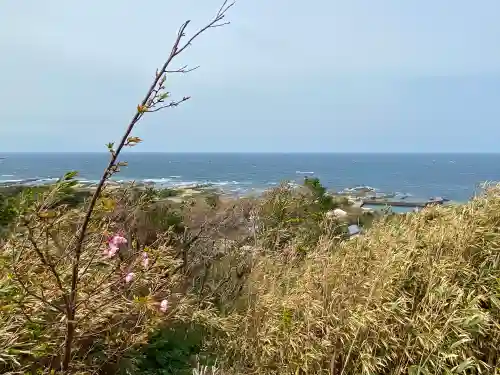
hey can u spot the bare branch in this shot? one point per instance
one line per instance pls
(214, 23)
(34, 295)
(171, 104)
(183, 69)
(49, 265)
(153, 91)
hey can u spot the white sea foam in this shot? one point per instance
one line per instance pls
(301, 172)
(174, 181)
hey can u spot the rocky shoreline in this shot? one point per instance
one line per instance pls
(355, 207)
(362, 198)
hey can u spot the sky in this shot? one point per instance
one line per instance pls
(284, 76)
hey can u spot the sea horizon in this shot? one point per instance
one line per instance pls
(262, 152)
(456, 176)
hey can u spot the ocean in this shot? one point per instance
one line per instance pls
(453, 176)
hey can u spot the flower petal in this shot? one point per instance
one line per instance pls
(129, 277)
(113, 249)
(164, 305)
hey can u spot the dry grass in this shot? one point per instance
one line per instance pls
(419, 294)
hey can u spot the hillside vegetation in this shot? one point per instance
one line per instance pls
(139, 281)
(257, 286)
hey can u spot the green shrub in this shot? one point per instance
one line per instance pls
(295, 217)
(323, 201)
(171, 350)
(8, 211)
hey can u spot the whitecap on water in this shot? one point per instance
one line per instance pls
(301, 172)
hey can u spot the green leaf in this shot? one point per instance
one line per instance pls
(465, 365)
(70, 175)
(459, 342)
(165, 95)
(495, 301)
(47, 214)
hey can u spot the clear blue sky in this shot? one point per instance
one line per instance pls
(286, 75)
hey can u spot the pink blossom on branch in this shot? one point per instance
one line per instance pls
(129, 277)
(118, 240)
(114, 244)
(164, 305)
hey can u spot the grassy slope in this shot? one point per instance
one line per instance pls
(417, 293)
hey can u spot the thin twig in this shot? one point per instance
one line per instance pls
(34, 295)
(47, 263)
(171, 104)
(184, 69)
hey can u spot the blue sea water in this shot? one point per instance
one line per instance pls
(454, 176)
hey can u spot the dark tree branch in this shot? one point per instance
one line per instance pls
(169, 105)
(183, 69)
(141, 109)
(50, 266)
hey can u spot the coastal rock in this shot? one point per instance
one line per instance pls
(336, 213)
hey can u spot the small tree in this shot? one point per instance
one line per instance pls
(293, 218)
(63, 283)
(324, 201)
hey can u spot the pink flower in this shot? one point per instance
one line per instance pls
(113, 249)
(164, 305)
(118, 240)
(145, 259)
(129, 277)
(114, 244)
